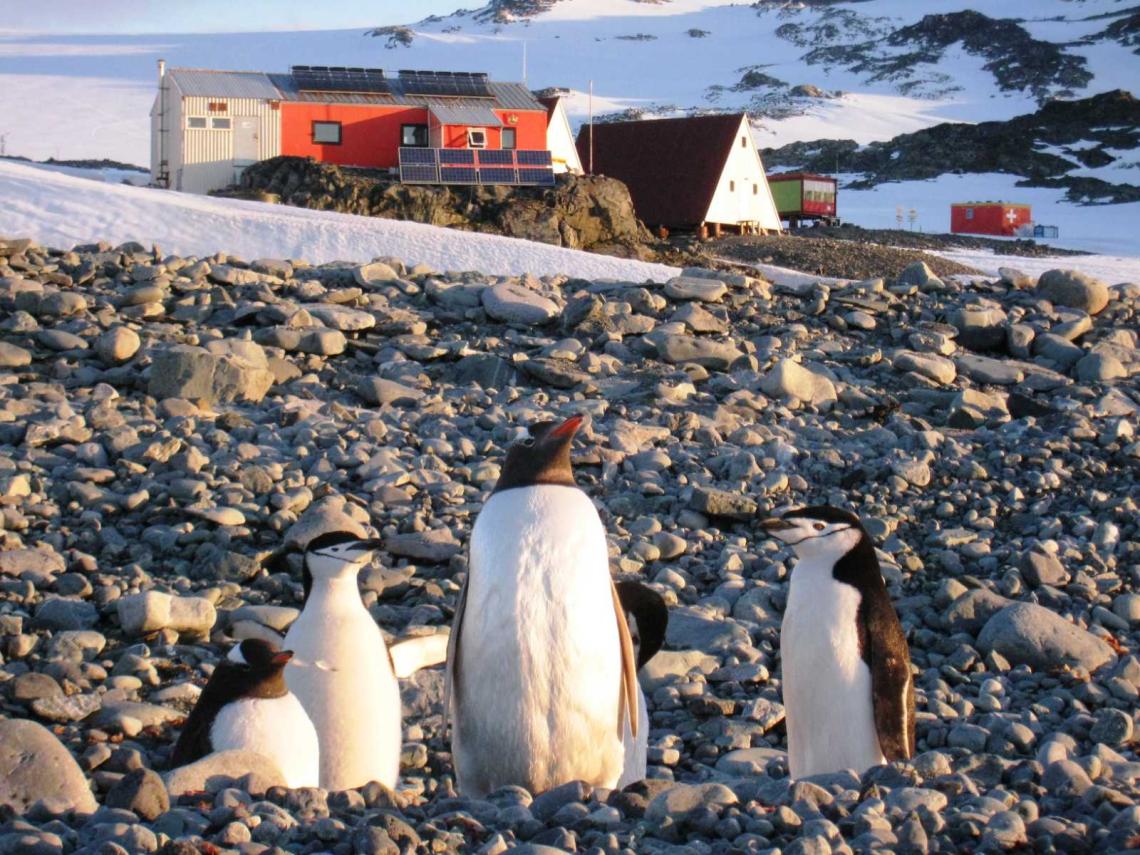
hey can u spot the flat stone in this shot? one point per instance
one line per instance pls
(692, 288)
(1015, 278)
(699, 319)
(1029, 634)
(142, 792)
(380, 392)
(485, 370)
(435, 546)
(789, 379)
(677, 349)
(151, 611)
(61, 613)
(971, 611)
(689, 629)
(376, 273)
(117, 345)
(1042, 568)
(722, 503)
(682, 800)
(937, 368)
(341, 318)
(241, 374)
(515, 304)
(983, 369)
(12, 356)
(254, 773)
(36, 766)
(1099, 368)
(980, 328)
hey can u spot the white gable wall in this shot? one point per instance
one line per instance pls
(742, 193)
(560, 141)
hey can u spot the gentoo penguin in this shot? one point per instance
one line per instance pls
(848, 693)
(647, 617)
(246, 705)
(342, 672)
(540, 671)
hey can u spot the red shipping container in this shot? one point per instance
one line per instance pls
(989, 218)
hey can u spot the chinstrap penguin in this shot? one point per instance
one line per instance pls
(848, 692)
(246, 705)
(342, 672)
(647, 617)
(540, 673)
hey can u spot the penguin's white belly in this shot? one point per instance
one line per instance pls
(345, 682)
(635, 747)
(540, 659)
(827, 686)
(277, 728)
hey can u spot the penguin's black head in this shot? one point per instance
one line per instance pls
(254, 668)
(818, 530)
(330, 553)
(647, 616)
(541, 458)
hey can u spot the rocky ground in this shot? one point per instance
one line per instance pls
(167, 422)
(905, 239)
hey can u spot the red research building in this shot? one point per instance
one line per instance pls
(989, 218)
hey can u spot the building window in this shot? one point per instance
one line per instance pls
(220, 124)
(755, 189)
(195, 121)
(218, 107)
(509, 138)
(414, 135)
(744, 142)
(969, 213)
(732, 186)
(476, 138)
(326, 132)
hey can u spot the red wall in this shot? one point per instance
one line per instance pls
(370, 135)
(990, 219)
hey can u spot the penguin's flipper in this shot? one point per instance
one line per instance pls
(414, 654)
(451, 671)
(892, 688)
(628, 705)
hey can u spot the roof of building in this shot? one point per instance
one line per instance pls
(671, 166)
(258, 84)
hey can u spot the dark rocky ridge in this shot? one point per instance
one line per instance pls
(581, 212)
(1111, 120)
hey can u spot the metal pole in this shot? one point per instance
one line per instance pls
(591, 127)
(524, 63)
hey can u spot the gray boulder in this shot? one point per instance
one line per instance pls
(226, 371)
(13, 356)
(680, 349)
(681, 800)
(692, 288)
(515, 304)
(980, 327)
(153, 610)
(1099, 368)
(1028, 634)
(789, 379)
(1074, 289)
(37, 767)
(140, 791)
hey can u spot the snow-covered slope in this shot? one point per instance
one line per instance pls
(63, 210)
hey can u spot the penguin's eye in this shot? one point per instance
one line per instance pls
(528, 442)
(819, 526)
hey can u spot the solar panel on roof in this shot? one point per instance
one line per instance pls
(457, 175)
(537, 177)
(419, 173)
(497, 175)
(457, 156)
(536, 157)
(337, 78)
(445, 83)
(496, 157)
(410, 154)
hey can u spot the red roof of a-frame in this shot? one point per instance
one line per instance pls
(671, 166)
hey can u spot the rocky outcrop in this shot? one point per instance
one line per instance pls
(580, 212)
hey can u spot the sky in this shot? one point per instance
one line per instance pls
(130, 17)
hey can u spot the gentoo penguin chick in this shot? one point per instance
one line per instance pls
(540, 671)
(848, 693)
(342, 673)
(647, 617)
(246, 705)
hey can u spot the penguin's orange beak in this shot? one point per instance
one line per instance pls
(282, 657)
(568, 428)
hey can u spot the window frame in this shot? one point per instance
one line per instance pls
(471, 132)
(339, 132)
(221, 123)
(415, 125)
(514, 139)
(205, 126)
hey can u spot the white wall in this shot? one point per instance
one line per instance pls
(205, 158)
(742, 194)
(560, 141)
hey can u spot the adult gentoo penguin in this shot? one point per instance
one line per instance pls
(540, 671)
(342, 672)
(647, 618)
(246, 705)
(848, 693)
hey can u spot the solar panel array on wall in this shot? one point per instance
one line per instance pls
(475, 166)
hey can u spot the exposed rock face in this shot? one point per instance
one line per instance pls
(581, 212)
